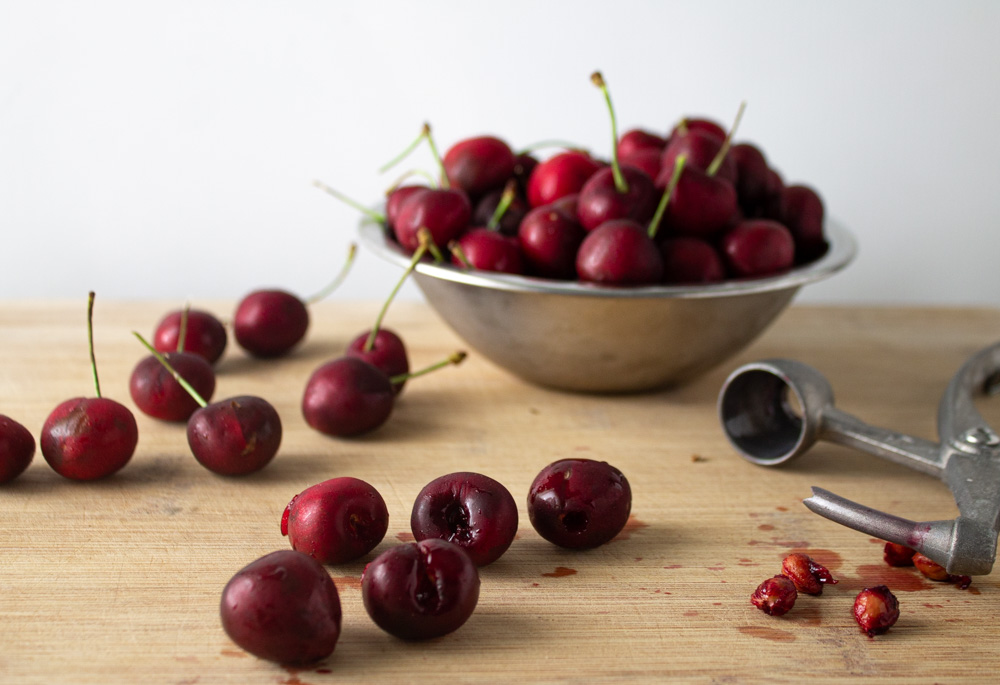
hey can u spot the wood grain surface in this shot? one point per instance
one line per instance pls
(118, 581)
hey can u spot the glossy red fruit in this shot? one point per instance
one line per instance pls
(488, 250)
(445, 213)
(336, 521)
(701, 205)
(698, 124)
(388, 354)
(524, 164)
(601, 201)
(579, 503)
(700, 149)
(236, 436)
(470, 510)
(17, 449)
(395, 199)
(802, 214)
(751, 177)
(638, 140)
(619, 252)
(479, 165)
(269, 323)
(347, 397)
(550, 239)
(89, 438)
(156, 393)
(690, 261)
(420, 590)
(205, 335)
(648, 161)
(758, 247)
(283, 607)
(511, 219)
(560, 175)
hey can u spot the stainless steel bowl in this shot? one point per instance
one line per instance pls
(589, 338)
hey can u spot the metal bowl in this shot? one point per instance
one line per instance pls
(589, 338)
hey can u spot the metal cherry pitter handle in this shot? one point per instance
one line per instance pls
(759, 416)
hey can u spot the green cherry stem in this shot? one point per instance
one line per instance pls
(370, 213)
(621, 185)
(335, 283)
(445, 183)
(425, 132)
(425, 242)
(454, 358)
(459, 254)
(509, 192)
(721, 154)
(412, 172)
(173, 372)
(90, 341)
(654, 223)
(182, 333)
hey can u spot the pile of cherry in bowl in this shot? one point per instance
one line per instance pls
(688, 207)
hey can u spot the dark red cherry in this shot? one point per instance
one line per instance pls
(445, 213)
(638, 140)
(701, 205)
(488, 250)
(89, 438)
(387, 353)
(511, 219)
(550, 239)
(269, 323)
(758, 247)
(700, 149)
(205, 335)
(647, 161)
(347, 397)
(479, 165)
(619, 252)
(156, 393)
(395, 199)
(579, 503)
(751, 177)
(600, 200)
(235, 436)
(690, 260)
(698, 124)
(561, 175)
(17, 449)
(802, 215)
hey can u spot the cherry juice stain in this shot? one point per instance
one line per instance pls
(560, 572)
(765, 526)
(633, 525)
(897, 578)
(342, 582)
(766, 633)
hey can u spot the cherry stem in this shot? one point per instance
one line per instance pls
(90, 341)
(654, 224)
(454, 358)
(370, 213)
(182, 333)
(445, 183)
(412, 172)
(509, 192)
(621, 185)
(682, 126)
(335, 283)
(425, 242)
(425, 132)
(459, 253)
(551, 143)
(724, 150)
(173, 372)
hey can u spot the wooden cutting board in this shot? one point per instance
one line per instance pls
(119, 581)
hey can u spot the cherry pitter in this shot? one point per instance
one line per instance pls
(775, 410)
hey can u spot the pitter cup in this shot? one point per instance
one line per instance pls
(775, 410)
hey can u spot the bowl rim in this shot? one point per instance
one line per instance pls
(842, 250)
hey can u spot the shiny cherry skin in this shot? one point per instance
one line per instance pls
(751, 177)
(388, 354)
(205, 334)
(235, 436)
(560, 175)
(601, 201)
(420, 590)
(550, 239)
(479, 165)
(648, 161)
(698, 124)
(445, 213)
(758, 247)
(579, 503)
(488, 250)
(470, 510)
(156, 393)
(638, 140)
(802, 215)
(269, 323)
(690, 261)
(395, 199)
(512, 216)
(17, 449)
(701, 205)
(283, 607)
(619, 252)
(700, 148)
(89, 438)
(336, 521)
(347, 397)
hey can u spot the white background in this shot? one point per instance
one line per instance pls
(167, 149)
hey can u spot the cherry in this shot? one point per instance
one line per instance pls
(348, 396)
(17, 449)
(751, 177)
(479, 165)
(579, 503)
(89, 438)
(205, 335)
(638, 140)
(550, 239)
(232, 437)
(488, 250)
(269, 323)
(420, 590)
(647, 161)
(486, 210)
(698, 124)
(157, 394)
(758, 247)
(395, 199)
(444, 212)
(561, 175)
(336, 521)
(690, 260)
(470, 510)
(524, 164)
(802, 215)
(282, 607)
(701, 149)
(702, 206)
